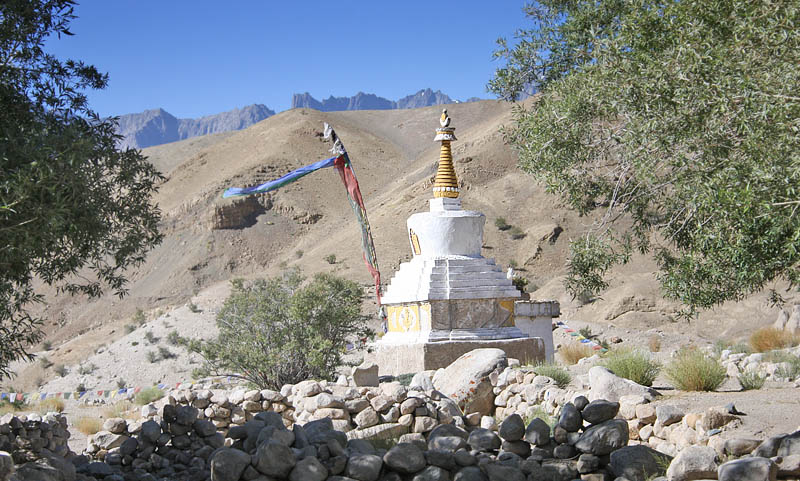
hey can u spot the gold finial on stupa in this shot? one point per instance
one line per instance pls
(445, 184)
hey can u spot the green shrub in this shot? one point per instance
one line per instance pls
(165, 353)
(330, 258)
(61, 370)
(152, 357)
(692, 370)
(278, 331)
(45, 362)
(86, 369)
(513, 264)
(501, 224)
(148, 395)
(520, 283)
(150, 337)
(194, 308)
(121, 383)
(139, 318)
(750, 380)
(129, 328)
(47, 345)
(541, 413)
(790, 364)
(633, 364)
(173, 338)
(517, 233)
(555, 372)
(298, 253)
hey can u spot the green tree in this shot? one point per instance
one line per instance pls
(75, 211)
(278, 331)
(675, 124)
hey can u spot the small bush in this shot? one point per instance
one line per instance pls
(572, 352)
(541, 413)
(692, 370)
(279, 331)
(330, 258)
(45, 362)
(586, 332)
(520, 283)
(129, 328)
(501, 224)
(152, 357)
(298, 253)
(635, 365)
(47, 345)
(50, 405)
(517, 233)
(150, 337)
(193, 308)
(148, 395)
(769, 338)
(134, 343)
(173, 338)
(790, 364)
(585, 297)
(80, 388)
(88, 425)
(121, 383)
(654, 343)
(165, 353)
(85, 369)
(513, 264)
(61, 370)
(750, 380)
(139, 318)
(555, 372)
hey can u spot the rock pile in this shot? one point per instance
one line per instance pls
(775, 365)
(27, 440)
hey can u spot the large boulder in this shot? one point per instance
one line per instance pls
(604, 438)
(466, 380)
(6, 466)
(366, 374)
(229, 464)
(606, 385)
(405, 458)
(693, 462)
(274, 459)
(748, 469)
(637, 463)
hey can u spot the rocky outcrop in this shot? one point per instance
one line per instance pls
(364, 101)
(157, 126)
(239, 212)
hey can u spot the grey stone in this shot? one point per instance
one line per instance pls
(99, 469)
(150, 431)
(405, 458)
(668, 414)
(466, 380)
(788, 466)
(599, 411)
(204, 428)
(470, 473)
(274, 459)
(6, 466)
(366, 418)
(366, 374)
(115, 425)
(738, 447)
(588, 463)
(603, 438)
(512, 428)
(570, 418)
(106, 440)
(637, 463)
(555, 470)
(501, 472)
(186, 415)
(128, 447)
(364, 467)
(432, 473)
(748, 469)
(443, 459)
(580, 402)
(483, 440)
(228, 464)
(606, 385)
(308, 469)
(448, 430)
(538, 432)
(790, 445)
(462, 457)
(693, 462)
(360, 446)
(447, 443)
(769, 448)
(520, 448)
(421, 382)
(564, 451)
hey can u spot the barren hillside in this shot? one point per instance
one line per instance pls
(395, 158)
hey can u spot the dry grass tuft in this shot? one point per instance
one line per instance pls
(572, 352)
(692, 370)
(50, 405)
(769, 339)
(122, 409)
(654, 343)
(88, 425)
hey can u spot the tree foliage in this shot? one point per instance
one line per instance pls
(278, 331)
(75, 212)
(680, 119)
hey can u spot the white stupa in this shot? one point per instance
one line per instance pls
(449, 299)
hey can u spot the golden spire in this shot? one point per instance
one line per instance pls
(445, 184)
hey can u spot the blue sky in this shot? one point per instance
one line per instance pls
(196, 58)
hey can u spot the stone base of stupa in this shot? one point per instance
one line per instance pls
(402, 358)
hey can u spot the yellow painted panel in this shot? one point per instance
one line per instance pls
(403, 318)
(509, 306)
